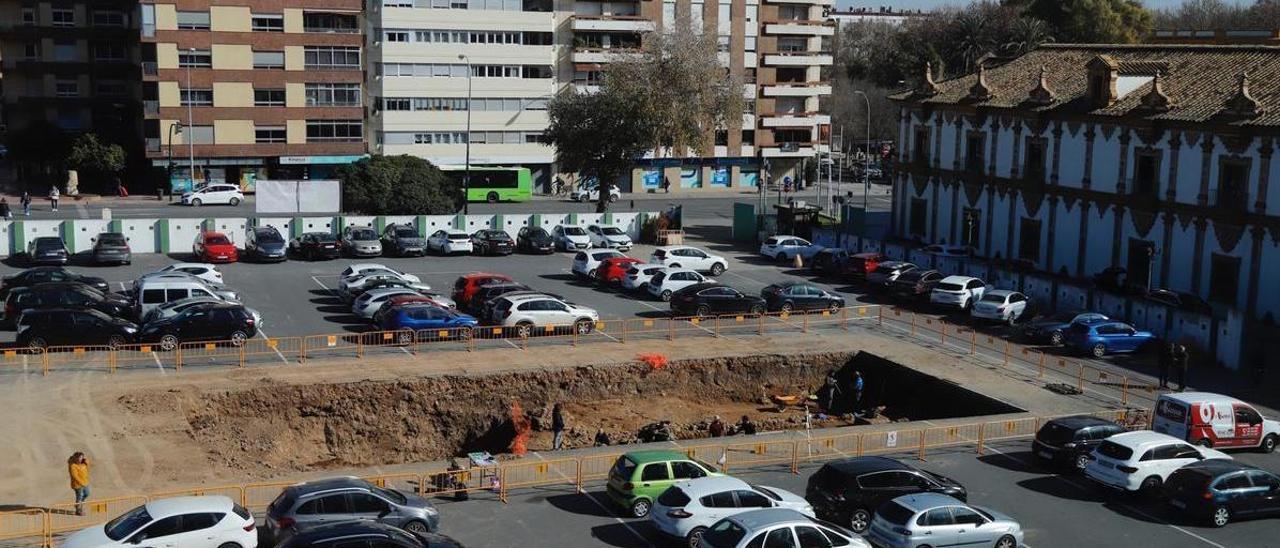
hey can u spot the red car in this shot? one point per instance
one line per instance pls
(467, 284)
(613, 269)
(861, 264)
(214, 247)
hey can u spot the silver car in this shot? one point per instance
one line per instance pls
(360, 241)
(307, 505)
(939, 520)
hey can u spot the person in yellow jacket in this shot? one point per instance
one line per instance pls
(78, 468)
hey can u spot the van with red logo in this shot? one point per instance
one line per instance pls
(1214, 420)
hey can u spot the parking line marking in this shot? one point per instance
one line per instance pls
(606, 509)
(321, 284)
(277, 350)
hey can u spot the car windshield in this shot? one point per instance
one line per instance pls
(574, 231)
(325, 237)
(724, 534)
(48, 243)
(767, 492)
(895, 513)
(612, 231)
(113, 239)
(459, 236)
(364, 234)
(269, 237)
(217, 240)
(406, 232)
(1111, 449)
(127, 523)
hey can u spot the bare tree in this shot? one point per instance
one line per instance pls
(1205, 14)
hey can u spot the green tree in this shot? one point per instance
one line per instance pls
(96, 159)
(598, 135)
(1091, 21)
(398, 185)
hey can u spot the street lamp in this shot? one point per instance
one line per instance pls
(466, 174)
(175, 127)
(866, 167)
(191, 141)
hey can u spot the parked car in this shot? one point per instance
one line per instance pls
(1181, 300)
(420, 317)
(830, 261)
(173, 308)
(212, 195)
(214, 322)
(403, 240)
(612, 270)
(680, 256)
(1000, 305)
(861, 265)
(404, 300)
(371, 300)
(47, 251)
(492, 242)
(1050, 329)
(534, 239)
(777, 527)
(373, 280)
(1070, 440)
(688, 508)
(449, 242)
(489, 311)
(667, 281)
(785, 248)
(638, 276)
(42, 274)
(933, 519)
(150, 292)
(265, 244)
(637, 478)
(569, 238)
(1214, 420)
(944, 250)
(111, 247)
(713, 299)
(1101, 337)
(207, 272)
(484, 293)
(315, 245)
(214, 247)
(886, 272)
(360, 268)
(360, 241)
(304, 506)
(47, 327)
(467, 284)
(586, 263)
(1221, 491)
(591, 193)
(362, 533)
(957, 292)
(848, 491)
(364, 275)
(915, 284)
(789, 296)
(173, 522)
(1142, 460)
(609, 237)
(527, 312)
(67, 295)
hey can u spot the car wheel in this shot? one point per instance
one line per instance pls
(492, 197)
(238, 338)
(584, 327)
(1099, 350)
(404, 337)
(38, 342)
(835, 305)
(169, 342)
(757, 309)
(786, 307)
(592, 273)
(416, 527)
(859, 521)
(235, 202)
(524, 329)
(1150, 486)
(694, 539)
(1082, 461)
(583, 198)
(1007, 541)
(782, 257)
(195, 202)
(1055, 338)
(640, 508)
(1221, 516)
(116, 341)
(717, 269)
(1011, 321)
(1268, 444)
(228, 545)
(666, 295)
(702, 310)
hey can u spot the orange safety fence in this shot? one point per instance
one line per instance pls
(596, 467)
(538, 473)
(234, 492)
(63, 517)
(78, 358)
(407, 482)
(828, 447)
(257, 496)
(763, 453)
(25, 523)
(28, 359)
(451, 482)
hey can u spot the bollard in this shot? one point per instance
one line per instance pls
(844, 318)
(44, 362)
(973, 342)
(804, 326)
(921, 443)
(111, 361)
(913, 324)
(942, 337)
(1006, 352)
(982, 436)
(1080, 377)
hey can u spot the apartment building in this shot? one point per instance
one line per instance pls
(73, 65)
(252, 89)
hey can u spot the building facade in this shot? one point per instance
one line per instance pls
(1074, 159)
(270, 89)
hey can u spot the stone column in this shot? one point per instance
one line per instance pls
(1169, 220)
(1057, 151)
(1171, 191)
(1124, 161)
(955, 211)
(990, 215)
(1053, 221)
(935, 159)
(1117, 232)
(1090, 133)
(1206, 155)
(956, 161)
(1082, 245)
(993, 138)
(1015, 163)
(1013, 224)
(1197, 256)
(1264, 171)
(933, 210)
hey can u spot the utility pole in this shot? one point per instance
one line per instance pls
(466, 175)
(866, 167)
(191, 142)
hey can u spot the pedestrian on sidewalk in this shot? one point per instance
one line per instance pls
(857, 391)
(4, 209)
(666, 185)
(716, 428)
(557, 427)
(26, 203)
(1180, 362)
(53, 196)
(78, 469)
(1164, 362)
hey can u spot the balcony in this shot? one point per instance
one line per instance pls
(150, 68)
(797, 89)
(797, 120)
(789, 150)
(600, 55)
(612, 23)
(151, 108)
(799, 59)
(801, 27)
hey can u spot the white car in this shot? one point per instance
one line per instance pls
(785, 248)
(957, 292)
(180, 522)
(592, 193)
(204, 271)
(173, 308)
(683, 256)
(610, 237)
(569, 238)
(638, 276)
(1142, 460)
(357, 268)
(370, 301)
(670, 280)
(942, 250)
(449, 242)
(530, 314)
(1000, 305)
(768, 527)
(687, 508)
(585, 263)
(350, 286)
(213, 194)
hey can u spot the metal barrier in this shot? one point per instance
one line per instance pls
(234, 492)
(411, 483)
(63, 517)
(257, 496)
(536, 473)
(596, 467)
(747, 455)
(28, 523)
(25, 358)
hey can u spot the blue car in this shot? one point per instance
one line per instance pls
(1101, 337)
(1050, 329)
(420, 317)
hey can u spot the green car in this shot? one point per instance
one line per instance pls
(638, 477)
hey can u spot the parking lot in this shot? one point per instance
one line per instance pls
(1055, 510)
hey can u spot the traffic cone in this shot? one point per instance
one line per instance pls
(798, 262)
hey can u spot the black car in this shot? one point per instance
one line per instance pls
(111, 247)
(67, 295)
(265, 244)
(212, 322)
(315, 245)
(32, 276)
(47, 250)
(483, 293)
(1070, 440)
(706, 299)
(403, 241)
(534, 239)
(799, 296)
(849, 491)
(492, 242)
(73, 327)
(1049, 329)
(829, 261)
(1181, 300)
(915, 284)
(364, 533)
(1221, 491)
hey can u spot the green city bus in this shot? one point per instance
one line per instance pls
(494, 184)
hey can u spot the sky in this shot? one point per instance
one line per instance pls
(926, 4)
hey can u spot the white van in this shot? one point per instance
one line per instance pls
(1214, 420)
(151, 292)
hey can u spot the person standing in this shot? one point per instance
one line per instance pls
(602, 438)
(1180, 362)
(716, 428)
(26, 203)
(857, 391)
(53, 196)
(1164, 362)
(746, 427)
(78, 469)
(557, 427)
(4, 209)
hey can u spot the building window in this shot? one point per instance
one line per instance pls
(1233, 184)
(748, 137)
(200, 135)
(1146, 171)
(442, 138)
(268, 59)
(919, 216)
(538, 71)
(269, 134)
(108, 18)
(268, 22)
(331, 57)
(975, 150)
(396, 36)
(109, 52)
(793, 44)
(1224, 279)
(1029, 240)
(343, 23)
(193, 20)
(31, 51)
(268, 97)
(29, 16)
(1033, 166)
(197, 97)
(195, 59)
(63, 17)
(722, 138)
(397, 104)
(333, 95)
(110, 88)
(343, 131)
(920, 150)
(64, 50)
(66, 88)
